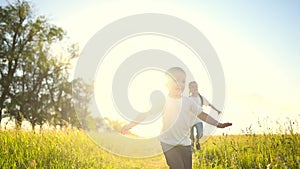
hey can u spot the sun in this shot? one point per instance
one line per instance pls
(142, 85)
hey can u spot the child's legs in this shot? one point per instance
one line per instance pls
(178, 157)
(199, 127)
(186, 154)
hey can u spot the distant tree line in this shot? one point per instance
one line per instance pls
(35, 81)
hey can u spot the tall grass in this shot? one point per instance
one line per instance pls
(57, 149)
(250, 151)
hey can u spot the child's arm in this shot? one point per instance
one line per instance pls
(125, 129)
(208, 119)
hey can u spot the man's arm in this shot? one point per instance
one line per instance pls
(208, 119)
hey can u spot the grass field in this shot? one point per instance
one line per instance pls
(57, 149)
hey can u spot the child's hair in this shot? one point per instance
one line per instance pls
(170, 72)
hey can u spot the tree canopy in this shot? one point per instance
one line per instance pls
(35, 81)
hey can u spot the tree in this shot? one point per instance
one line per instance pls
(25, 42)
(34, 81)
(81, 100)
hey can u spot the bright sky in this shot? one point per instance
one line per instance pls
(258, 44)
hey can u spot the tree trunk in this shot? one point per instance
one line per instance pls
(18, 120)
(32, 126)
(0, 116)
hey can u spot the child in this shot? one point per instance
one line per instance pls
(178, 117)
(201, 100)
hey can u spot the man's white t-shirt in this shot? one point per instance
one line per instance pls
(197, 100)
(178, 117)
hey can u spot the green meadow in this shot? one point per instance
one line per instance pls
(75, 149)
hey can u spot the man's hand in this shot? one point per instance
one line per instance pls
(223, 125)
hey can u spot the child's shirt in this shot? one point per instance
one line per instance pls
(178, 117)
